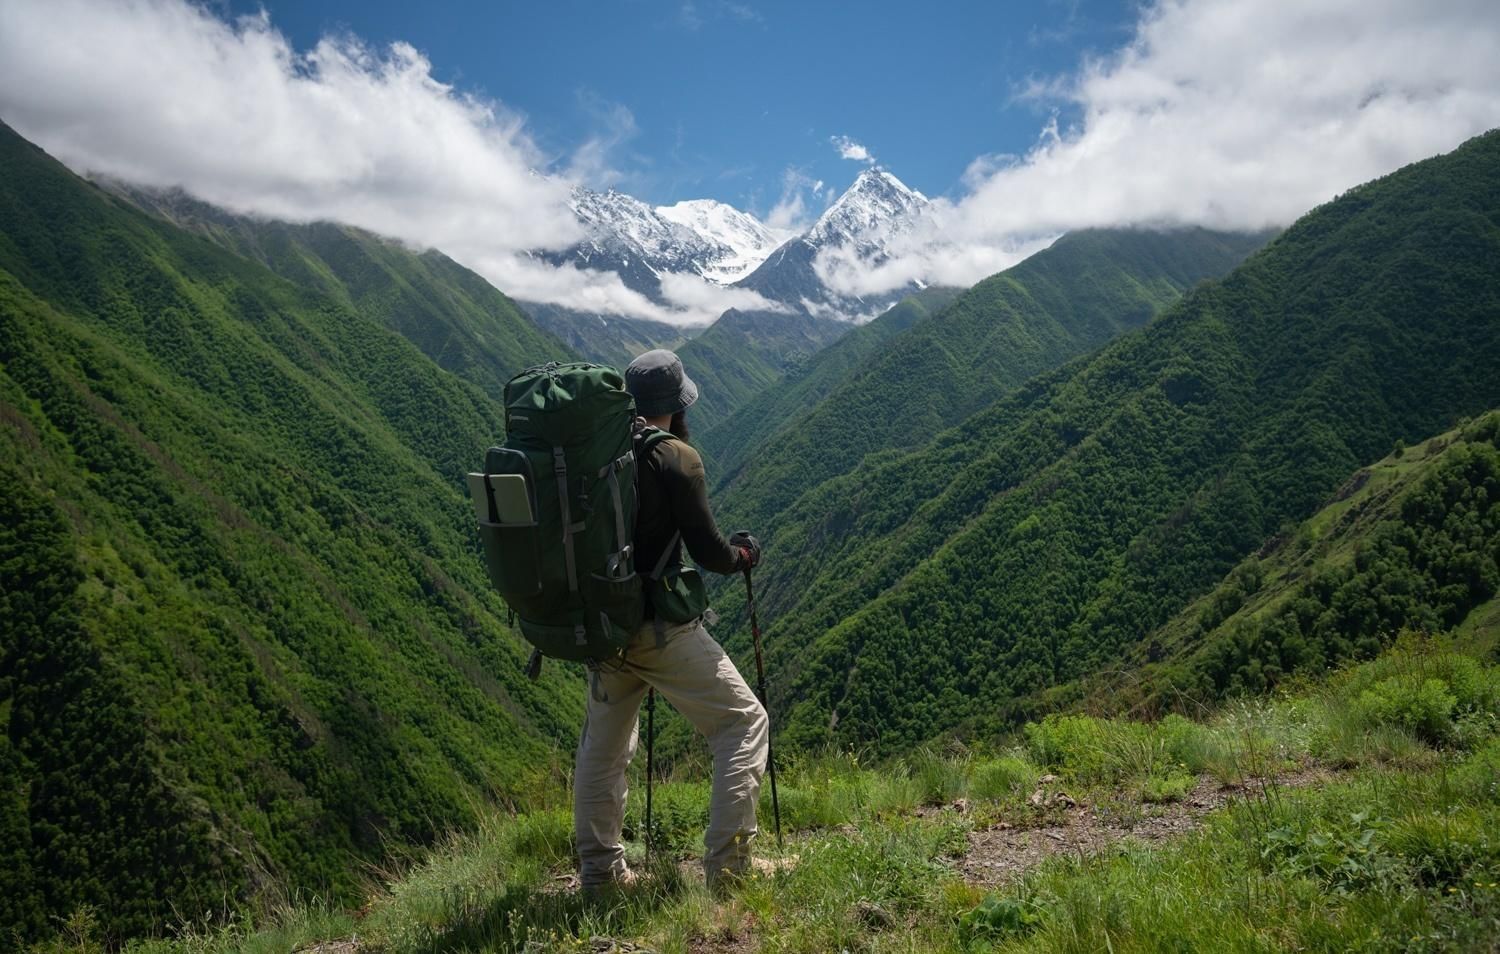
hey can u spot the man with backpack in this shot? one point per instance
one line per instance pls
(671, 651)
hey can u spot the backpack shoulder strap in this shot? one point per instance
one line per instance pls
(647, 438)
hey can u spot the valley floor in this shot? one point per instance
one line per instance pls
(1359, 813)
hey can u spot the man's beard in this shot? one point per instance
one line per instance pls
(678, 427)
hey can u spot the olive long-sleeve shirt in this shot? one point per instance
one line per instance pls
(673, 499)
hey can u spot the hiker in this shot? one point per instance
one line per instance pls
(680, 660)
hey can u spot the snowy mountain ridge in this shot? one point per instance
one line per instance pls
(698, 236)
(751, 240)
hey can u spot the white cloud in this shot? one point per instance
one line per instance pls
(794, 211)
(1234, 114)
(849, 149)
(165, 93)
(615, 125)
(705, 301)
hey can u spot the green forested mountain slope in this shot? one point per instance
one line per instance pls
(1412, 541)
(246, 638)
(1061, 302)
(1043, 537)
(806, 382)
(607, 339)
(454, 316)
(743, 353)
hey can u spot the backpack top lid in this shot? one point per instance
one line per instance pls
(565, 402)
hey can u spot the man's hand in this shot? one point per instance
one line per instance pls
(747, 545)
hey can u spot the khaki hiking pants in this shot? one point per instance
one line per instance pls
(698, 678)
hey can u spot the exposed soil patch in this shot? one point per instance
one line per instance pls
(1003, 853)
(725, 938)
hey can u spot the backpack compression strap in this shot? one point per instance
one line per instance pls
(560, 468)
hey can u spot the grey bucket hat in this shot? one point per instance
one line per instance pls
(659, 385)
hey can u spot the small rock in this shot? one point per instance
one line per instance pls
(1053, 835)
(961, 805)
(609, 945)
(1064, 799)
(1038, 797)
(874, 916)
(1046, 780)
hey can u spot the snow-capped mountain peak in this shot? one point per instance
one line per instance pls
(750, 239)
(873, 206)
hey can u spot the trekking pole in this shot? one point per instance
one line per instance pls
(760, 690)
(650, 765)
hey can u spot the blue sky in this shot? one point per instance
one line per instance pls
(718, 99)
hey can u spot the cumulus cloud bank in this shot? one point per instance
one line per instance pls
(1234, 114)
(165, 93)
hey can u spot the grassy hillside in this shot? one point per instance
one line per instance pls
(1061, 302)
(455, 317)
(1046, 536)
(1326, 820)
(247, 642)
(805, 382)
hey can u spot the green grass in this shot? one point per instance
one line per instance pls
(1385, 861)
(1400, 852)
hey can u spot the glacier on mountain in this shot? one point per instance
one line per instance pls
(750, 240)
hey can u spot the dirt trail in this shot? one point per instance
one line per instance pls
(1005, 852)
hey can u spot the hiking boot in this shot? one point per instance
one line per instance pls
(621, 882)
(720, 883)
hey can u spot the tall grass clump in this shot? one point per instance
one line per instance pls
(829, 788)
(1002, 779)
(1106, 752)
(940, 778)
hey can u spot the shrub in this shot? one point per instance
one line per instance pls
(1424, 708)
(1346, 854)
(1171, 788)
(1474, 686)
(998, 918)
(679, 813)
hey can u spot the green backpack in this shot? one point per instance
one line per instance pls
(568, 572)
